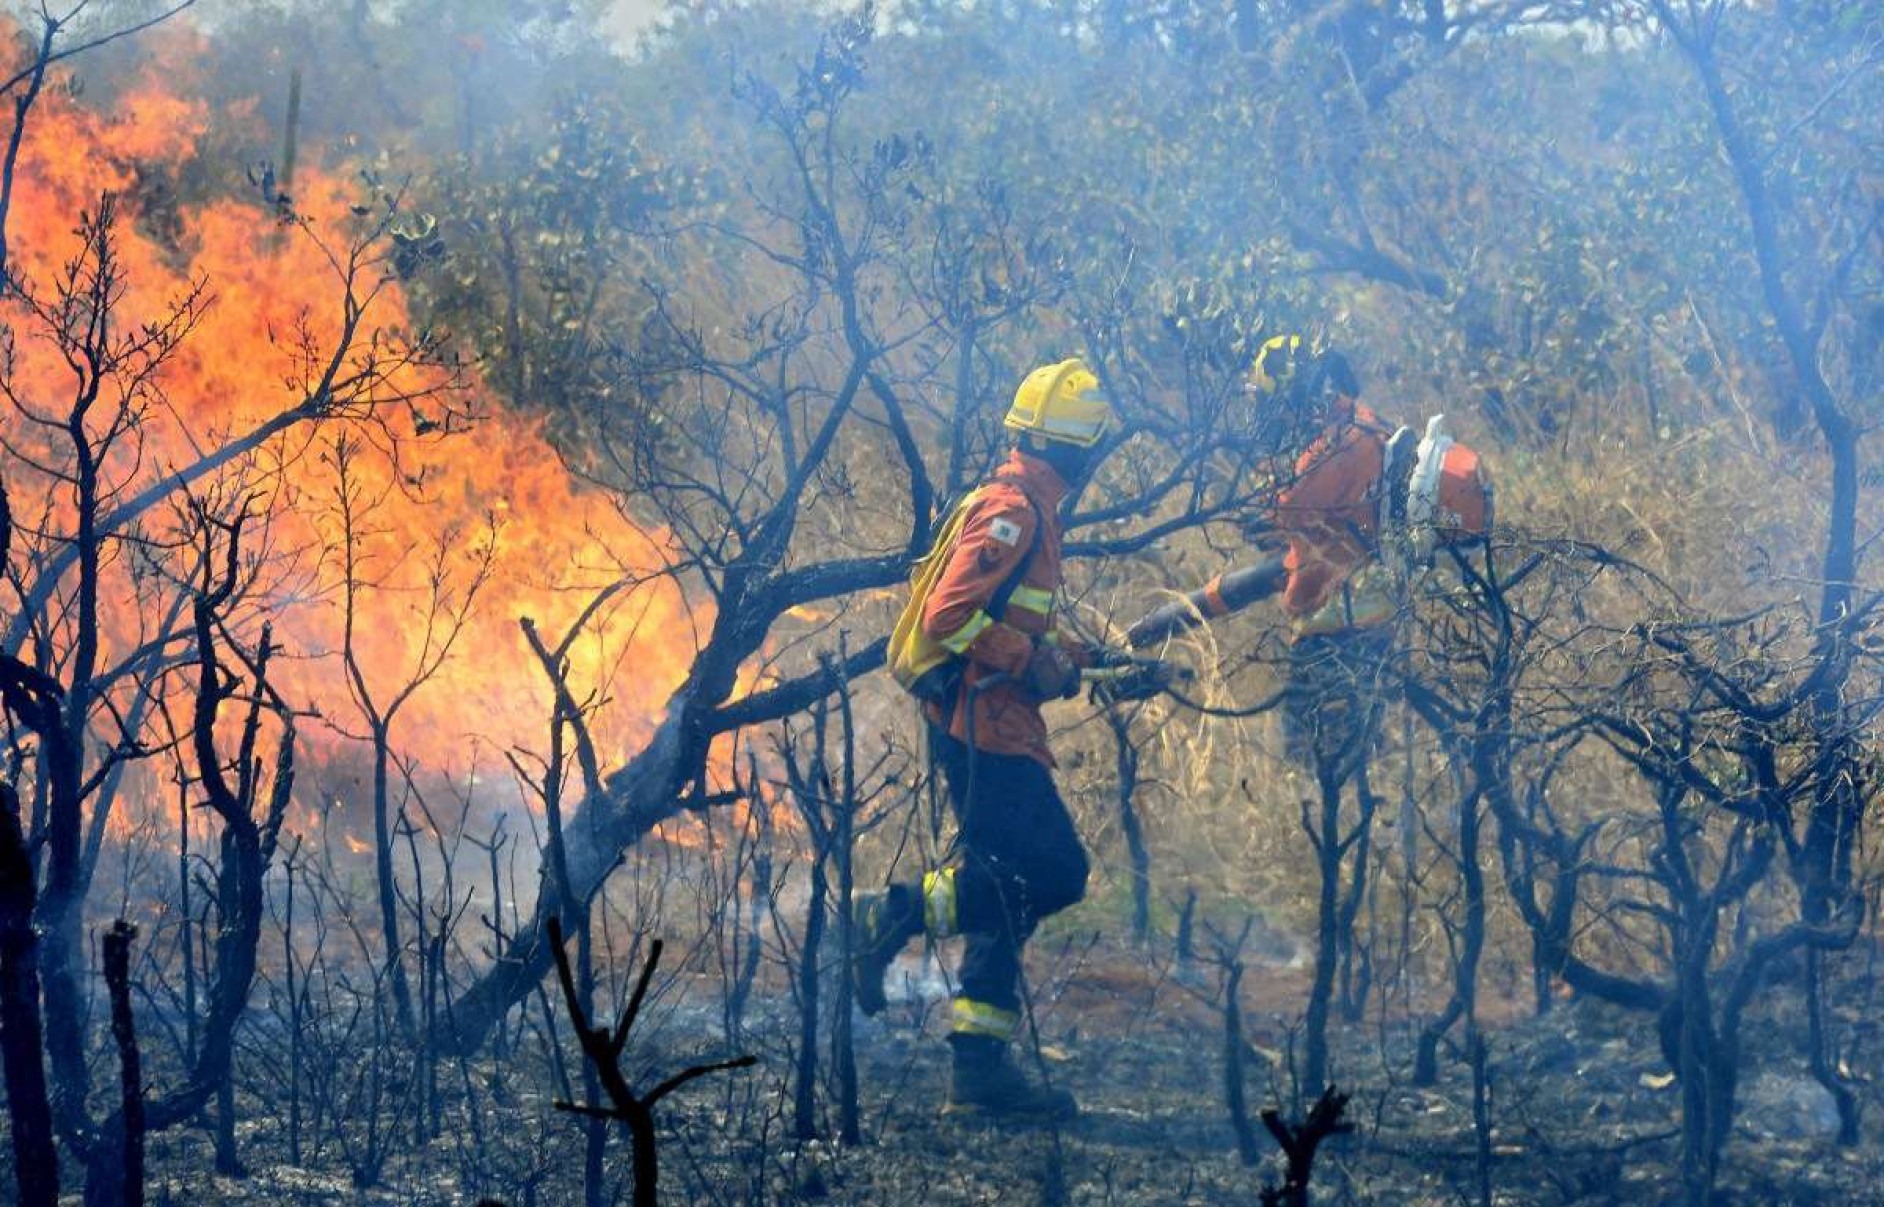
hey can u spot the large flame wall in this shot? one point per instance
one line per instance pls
(555, 545)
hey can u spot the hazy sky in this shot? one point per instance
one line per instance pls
(630, 15)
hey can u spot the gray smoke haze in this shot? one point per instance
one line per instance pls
(629, 17)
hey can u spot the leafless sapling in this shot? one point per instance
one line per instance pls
(603, 1048)
(831, 796)
(443, 618)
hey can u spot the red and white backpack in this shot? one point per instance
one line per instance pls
(1447, 497)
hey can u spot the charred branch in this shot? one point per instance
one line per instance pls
(1300, 1142)
(602, 1047)
(789, 699)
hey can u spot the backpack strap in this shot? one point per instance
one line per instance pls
(997, 603)
(944, 681)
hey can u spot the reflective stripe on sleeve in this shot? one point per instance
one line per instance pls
(959, 641)
(1034, 599)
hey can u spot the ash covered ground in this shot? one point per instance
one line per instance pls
(1583, 1110)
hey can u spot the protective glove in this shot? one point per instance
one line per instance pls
(1160, 623)
(1140, 680)
(1050, 674)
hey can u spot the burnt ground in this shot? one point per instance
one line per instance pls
(1583, 1112)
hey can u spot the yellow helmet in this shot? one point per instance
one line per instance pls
(1290, 367)
(1061, 402)
(1275, 365)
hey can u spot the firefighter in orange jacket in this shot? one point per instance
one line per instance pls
(1336, 595)
(1017, 857)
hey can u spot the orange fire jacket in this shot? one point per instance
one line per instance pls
(997, 533)
(1329, 514)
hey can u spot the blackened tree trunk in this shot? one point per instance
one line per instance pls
(811, 790)
(1130, 824)
(386, 882)
(1356, 969)
(1463, 1004)
(595, 1135)
(844, 836)
(1235, 1096)
(1328, 853)
(805, 1081)
(115, 1164)
(36, 1161)
(1837, 814)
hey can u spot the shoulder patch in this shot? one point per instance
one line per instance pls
(1006, 531)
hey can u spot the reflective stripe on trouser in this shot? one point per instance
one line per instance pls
(981, 1018)
(1016, 859)
(939, 911)
(1365, 600)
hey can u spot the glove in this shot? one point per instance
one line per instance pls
(1050, 674)
(1159, 623)
(1139, 681)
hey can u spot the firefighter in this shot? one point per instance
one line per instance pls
(1338, 598)
(1016, 857)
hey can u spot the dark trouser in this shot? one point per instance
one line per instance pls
(1331, 706)
(1015, 860)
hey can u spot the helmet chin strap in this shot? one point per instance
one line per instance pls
(1069, 461)
(1311, 389)
(1325, 378)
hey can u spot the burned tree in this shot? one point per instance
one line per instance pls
(1700, 857)
(441, 619)
(1300, 1142)
(1472, 655)
(603, 1047)
(130, 570)
(21, 1035)
(568, 726)
(788, 453)
(1817, 316)
(833, 797)
(1714, 721)
(248, 803)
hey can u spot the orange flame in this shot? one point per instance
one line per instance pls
(552, 545)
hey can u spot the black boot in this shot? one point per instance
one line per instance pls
(882, 921)
(986, 1083)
